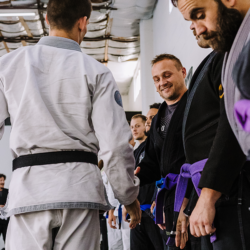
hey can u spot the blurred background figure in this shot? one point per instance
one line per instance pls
(3, 199)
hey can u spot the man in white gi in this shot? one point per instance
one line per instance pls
(64, 107)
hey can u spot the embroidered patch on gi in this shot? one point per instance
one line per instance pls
(118, 98)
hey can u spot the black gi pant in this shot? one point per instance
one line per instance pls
(3, 228)
(232, 220)
(193, 243)
(146, 235)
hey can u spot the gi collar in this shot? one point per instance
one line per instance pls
(59, 42)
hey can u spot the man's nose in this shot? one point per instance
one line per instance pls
(199, 29)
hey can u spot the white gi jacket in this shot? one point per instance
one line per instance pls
(59, 99)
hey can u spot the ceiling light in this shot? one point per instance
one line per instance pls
(17, 14)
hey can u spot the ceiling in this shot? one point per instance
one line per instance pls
(113, 36)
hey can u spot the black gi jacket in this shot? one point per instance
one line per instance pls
(3, 199)
(164, 156)
(208, 133)
(146, 192)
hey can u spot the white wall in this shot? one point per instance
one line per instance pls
(134, 104)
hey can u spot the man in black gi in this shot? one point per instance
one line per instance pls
(3, 199)
(146, 235)
(164, 151)
(225, 185)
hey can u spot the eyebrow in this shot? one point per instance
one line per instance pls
(193, 13)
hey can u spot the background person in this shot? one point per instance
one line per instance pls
(3, 200)
(146, 235)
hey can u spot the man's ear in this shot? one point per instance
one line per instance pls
(184, 72)
(46, 18)
(229, 3)
(82, 23)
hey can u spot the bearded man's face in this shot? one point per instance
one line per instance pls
(212, 21)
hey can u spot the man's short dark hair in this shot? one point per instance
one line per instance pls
(162, 57)
(63, 14)
(143, 117)
(155, 106)
(3, 176)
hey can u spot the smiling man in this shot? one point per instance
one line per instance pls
(164, 151)
(224, 183)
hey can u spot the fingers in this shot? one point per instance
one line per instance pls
(209, 229)
(162, 226)
(137, 171)
(112, 222)
(135, 219)
(184, 239)
(184, 226)
(178, 238)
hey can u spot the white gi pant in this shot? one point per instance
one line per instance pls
(79, 230)
(119, 239)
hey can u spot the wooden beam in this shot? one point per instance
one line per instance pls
(106, 50)
(6, 47)
(21, 19)
(24, 43)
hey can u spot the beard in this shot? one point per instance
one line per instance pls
(228, 24)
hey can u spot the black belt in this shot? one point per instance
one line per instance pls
(54, 158)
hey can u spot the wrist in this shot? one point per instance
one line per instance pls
(184, 204)
(210, 196)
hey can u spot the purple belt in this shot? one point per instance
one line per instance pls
(187, 172)
(170, 182)
(242, 113)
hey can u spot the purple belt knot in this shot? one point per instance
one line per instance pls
(170, 182)
(187, 172)
(242, 113)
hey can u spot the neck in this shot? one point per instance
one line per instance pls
(171, 102)
(64, 34)
(142, 139)
(243, 7)
(1, 189)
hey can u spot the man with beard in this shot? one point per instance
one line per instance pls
(224, 183)
(164, 151)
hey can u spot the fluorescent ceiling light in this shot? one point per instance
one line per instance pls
(18, 14)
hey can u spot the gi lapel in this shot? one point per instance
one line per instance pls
(232, 94)
(158, 139)
(192, 92)
(173, 127)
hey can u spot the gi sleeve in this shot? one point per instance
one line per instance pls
(226, 158)
(3, 110)
(113, 133)
(150, 166)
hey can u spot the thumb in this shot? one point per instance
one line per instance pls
(137, 171)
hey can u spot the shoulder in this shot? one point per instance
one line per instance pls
(94, 64)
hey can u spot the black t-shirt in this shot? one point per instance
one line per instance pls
(166, 119)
